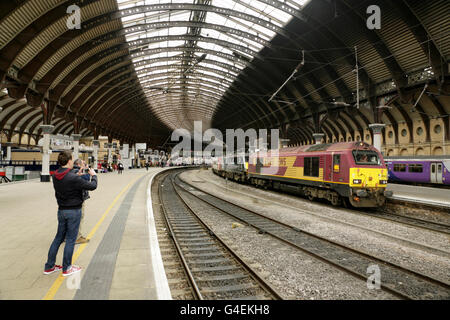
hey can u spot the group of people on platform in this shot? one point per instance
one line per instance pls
(149, 164)
(108, 167)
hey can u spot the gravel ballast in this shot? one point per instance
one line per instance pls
(416, 249)
(294, 274)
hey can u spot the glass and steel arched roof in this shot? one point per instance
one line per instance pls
(187, 53)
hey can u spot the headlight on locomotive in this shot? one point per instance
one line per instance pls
(383, 181)
(357, 181)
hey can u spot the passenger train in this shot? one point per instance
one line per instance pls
(350, 173)
(434, 170)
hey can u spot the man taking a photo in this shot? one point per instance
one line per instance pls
(79, 167)
(69, 188)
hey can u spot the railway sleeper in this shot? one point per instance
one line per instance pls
(221, 268)
(194, 255)
(231, 276)
(231, 288)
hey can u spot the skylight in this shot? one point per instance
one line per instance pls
(187, 53)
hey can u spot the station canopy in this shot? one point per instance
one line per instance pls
(186, 58)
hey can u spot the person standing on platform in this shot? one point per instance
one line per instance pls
(146, 165)
(120, 168)
(69, 188)
(79, 167)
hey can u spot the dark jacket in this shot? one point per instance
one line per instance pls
(69, 188)
(86, 177)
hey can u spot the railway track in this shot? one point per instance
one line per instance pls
(395, 279)
(213, 270)
(383, 214)
(410, 221)
(180, 288)
(386, 215)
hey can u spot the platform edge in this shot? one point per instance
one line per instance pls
(159, 274)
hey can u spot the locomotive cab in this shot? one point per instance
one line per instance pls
(368, 176)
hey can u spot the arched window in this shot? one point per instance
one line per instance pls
(404, 152)
(24, 140)
(438, 151)
(15, 138)
(420, 152)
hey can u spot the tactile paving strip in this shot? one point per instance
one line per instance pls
(97, 279)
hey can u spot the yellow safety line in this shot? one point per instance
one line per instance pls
(58, 282)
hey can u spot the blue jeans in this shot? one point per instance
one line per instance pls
(68, 224)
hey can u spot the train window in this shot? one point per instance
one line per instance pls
(337, 159)
(311, 167)
(399, 167)
(238, 160)
(315, 167)
(366, 157)
(336, 162)
(415, 168)
(307, 167)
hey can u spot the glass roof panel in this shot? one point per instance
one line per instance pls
(186, 59)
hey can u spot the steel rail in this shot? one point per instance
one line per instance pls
(414, 222)
(354, 251)
(252, 273)
(356, 212)
(194, 286)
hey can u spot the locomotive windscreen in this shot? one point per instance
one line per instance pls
(366, 157)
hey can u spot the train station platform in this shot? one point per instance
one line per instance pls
(121, 261)
(439, 197)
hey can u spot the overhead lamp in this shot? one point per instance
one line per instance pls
(203, 57)
(241, 56)
(341, 103)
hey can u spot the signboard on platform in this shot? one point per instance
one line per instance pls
(124, 153)
(60, 142)
(9, 172)
(141, 146)
(19, 170)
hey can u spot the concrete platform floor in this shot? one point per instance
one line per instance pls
(426, 195)
(28, 223)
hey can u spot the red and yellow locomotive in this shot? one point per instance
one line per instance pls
(352, 172)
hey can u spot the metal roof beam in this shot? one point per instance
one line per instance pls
(145, 27)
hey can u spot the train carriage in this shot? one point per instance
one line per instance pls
(232, 167)
(419, 169)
